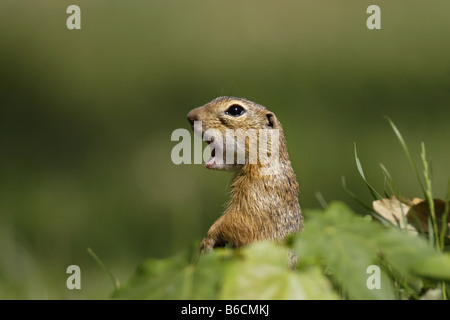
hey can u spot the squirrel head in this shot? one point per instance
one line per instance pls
(236, 130)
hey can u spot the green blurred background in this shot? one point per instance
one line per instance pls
(87, 115)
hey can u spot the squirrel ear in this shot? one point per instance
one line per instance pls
(271, 120)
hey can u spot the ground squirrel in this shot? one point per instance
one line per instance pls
(262, 205)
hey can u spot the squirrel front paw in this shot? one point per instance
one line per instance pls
(208, 244)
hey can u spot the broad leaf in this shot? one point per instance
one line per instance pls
(346, 249)
(262, 273)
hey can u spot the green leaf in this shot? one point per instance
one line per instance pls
(259, 271)
(262, 273)
(336, 240)
(436, 267)
(175, 278)
(348, 244)
(346, 249)
(157, 279)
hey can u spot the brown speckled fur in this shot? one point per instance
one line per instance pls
(261, 206)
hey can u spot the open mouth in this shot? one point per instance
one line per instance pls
(212, 160)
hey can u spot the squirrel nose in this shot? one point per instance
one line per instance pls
(192, 116)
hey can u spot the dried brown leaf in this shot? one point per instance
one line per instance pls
(416, 212)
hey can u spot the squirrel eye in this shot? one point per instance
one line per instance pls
(235, 110)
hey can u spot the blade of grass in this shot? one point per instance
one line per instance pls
(431, 234)
(392, 187)
(354, 197)
(395, 192)
(323, 203)
(374, 213)
(408, 154)
(430, 200)
(432, 222)
(385, 184)
(442, 235)
(374, 193)
(445, 216)
(115, 281)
